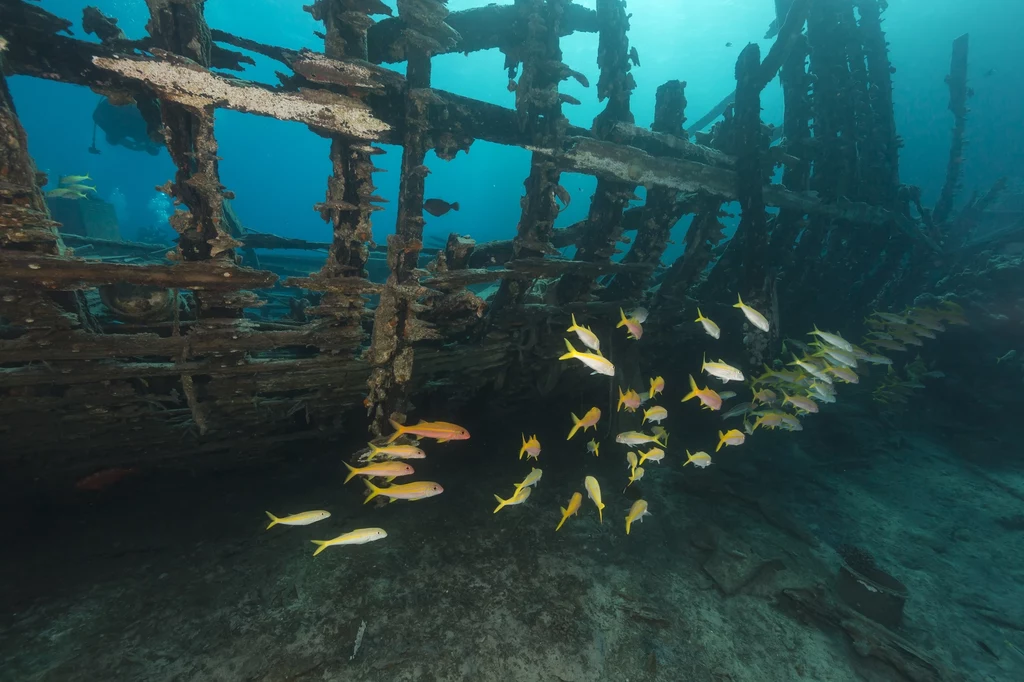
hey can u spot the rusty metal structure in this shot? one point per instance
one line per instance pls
(213, 380)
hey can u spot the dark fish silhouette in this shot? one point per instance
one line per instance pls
(101, 480)
(728, 44)
(634, 56)
(124, 126)
(438, 207)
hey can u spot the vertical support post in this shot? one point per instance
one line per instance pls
(752, 233)
(350, 189)
(885, 156)
(616, 84)
(958, 93)
(540, 113)
(662, 210)
(395, 327)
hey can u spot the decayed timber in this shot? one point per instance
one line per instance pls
(958, 93)
(67, 274)
(185, 83)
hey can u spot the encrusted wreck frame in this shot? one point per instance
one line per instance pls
(226, 383)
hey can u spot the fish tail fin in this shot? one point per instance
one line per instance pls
(628, 523)
(703, 361)
(693, 390)
(352, 471)
(572, 352)
(399, 430)
(721, 441)
(700, 315)
(321, 545)
(739, 303)
(501, 503)
(689, 458)
(565, 515)
(622, 320)
(454, 206)
(374, 450)
(575, 426)
(600, 513)
(374, 491)
(622, 397)
(573, 327)
(273, 520)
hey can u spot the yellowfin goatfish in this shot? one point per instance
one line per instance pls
(725, 395)
(661, 433)
(589, 420)
(844, 373)
(594, 447)
(631, 460)
(806, 404)
(637, 512)
(64, 193)
(834, 340)
(708, 397)
(397, 451)
(404, 491)
(631, 399)
(637, 438)
(303, 519)
(657, 386)
(765, 395)
(441, 431)
(531, 479)
(520, 496)
(655, 414)
(877, 359)
(654, 454)
(710, 327)
(387, 469)
(531, 448)
(594, 493)
(730, 437)
(633, 327)
(639, 314)
(586, 336)
(598, 363)
(721, 370)
(74, 179)
(81, 188)
(356, 537)
(699, 459)
(755, 318)
(635, 474)
(574, 506)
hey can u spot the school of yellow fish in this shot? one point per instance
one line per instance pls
(780, 398)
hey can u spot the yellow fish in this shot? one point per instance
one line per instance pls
(637, 438)
(699, 459)
(655, 414)
(765, 395)
(387, 469)
(707, 396)
(518, 497)
(64, 193)
(634, 475)
(81, 188)
(574, 506)
(587, 337)
(844, 373)
(631, 459)
(834, 340)
(73, 179)
(356, 537)
(531, 448)
(397, 451)
(441, 431)
(594, 493)
(633, 327)
(598, 363)
(657, 386)
(806, 404)
(631, 399)
(661, 433)
(637, 511)
(730, 437)
(594, 447)
(418, 490)
(710, 327)
(755, 318)
(654, 454)
(721, 370)
(303, 519)
(589, 420)
(531, 479)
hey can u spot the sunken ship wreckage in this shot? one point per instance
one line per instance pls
(202, 351)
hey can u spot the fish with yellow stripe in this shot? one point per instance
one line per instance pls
(439, 431)
(418, 490)
(386, 469)
(360, 536)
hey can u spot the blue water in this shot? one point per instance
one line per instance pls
(687, 43)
